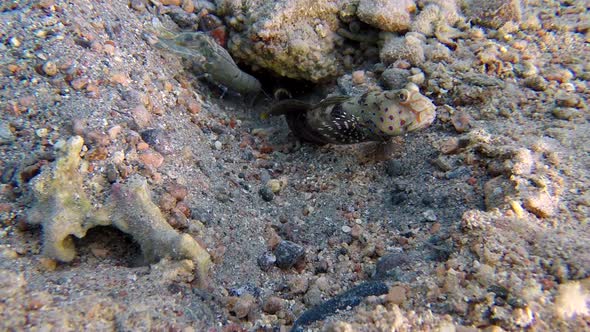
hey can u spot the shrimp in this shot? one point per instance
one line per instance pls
(209, 57)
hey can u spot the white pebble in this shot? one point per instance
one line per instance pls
(346, 229)
(218, 145)
(42, 132)
(429, 215)
(15, 42)
(118, 157)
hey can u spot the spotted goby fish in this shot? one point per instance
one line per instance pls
(374, 116)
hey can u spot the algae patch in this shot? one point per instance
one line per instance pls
(63, 209)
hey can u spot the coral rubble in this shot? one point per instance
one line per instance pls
(63, 209)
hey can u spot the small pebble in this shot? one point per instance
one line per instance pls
(307, 210)
(298, 284)
(188, 6)
(14, 42)
(536, 83)
(346, 229)
(141, 116)
(42, 132)
(167, 202)
(120, 78)
(272, 238)
(458, 172)
(153, 159)
(321, 267)
(97, 153)
(97, 138)
(442, 163)
(109, 49)
(389, 262)
(184, 208)
(358, 77)
(178, 191)
(178, 220)
(142, 146)
(559, 75)
(48, 264)
(356, 231)
(218, 145)
(273, 304)
(288, 254)
(450, 145)
(8, 253)
(396, 295)
(526, 69)
(394, 168)
(517, 208)
(118, 157)
(322, 283)
(159, 140)
(244, 305)
(436, 227)
(193, 107)
(49, 68)
(114, 131)
(541, 204)
(266, 261)
(417, 78)
(429, 216)
(398, 196)
(137, 5)
(79, 83)
(565, 99)
(461, 121)
(6, 135)
(274, 185)
(112, 173)
(313, 296)
(266, 194)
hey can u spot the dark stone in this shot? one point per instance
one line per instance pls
(218, 129)
(223, 197)
(244, 289)
(288, 254)
(427, 200)
(266, 194)
(517, 302)
(246, 186)
(499, 290)
(201, 214)
(29, 172)
(394, 167)
(112, 173)
(159, 140)
(441, 249)
(349, 299)
(178, 289)
(266, 261)
(210, 22)
(320, 266)
(8, 173)
(388, 263)
(458, 172)
(398, 196)
(187, 21)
